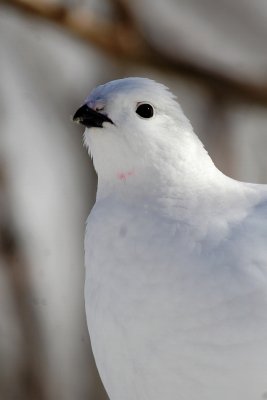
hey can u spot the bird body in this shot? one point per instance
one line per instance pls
(176, 257)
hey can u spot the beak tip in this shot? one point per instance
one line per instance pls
(75, 118)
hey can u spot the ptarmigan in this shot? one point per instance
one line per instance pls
(176, 256)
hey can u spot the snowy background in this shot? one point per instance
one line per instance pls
(212, 54)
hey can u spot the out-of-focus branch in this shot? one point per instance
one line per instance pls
(123, 39)
(123, 12)
(31, 377)
(113, 38)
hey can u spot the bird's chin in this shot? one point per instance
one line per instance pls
(90, 137)
(87, 137)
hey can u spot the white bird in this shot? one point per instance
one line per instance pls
(175, 254)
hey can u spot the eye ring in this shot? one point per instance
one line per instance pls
(145, 110)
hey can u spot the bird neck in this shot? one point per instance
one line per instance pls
(183, 176)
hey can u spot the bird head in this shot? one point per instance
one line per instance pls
(135, 130)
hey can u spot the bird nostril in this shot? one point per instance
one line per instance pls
(96, 105)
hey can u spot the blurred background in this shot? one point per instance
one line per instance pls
(212, 54)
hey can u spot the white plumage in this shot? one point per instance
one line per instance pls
(176, 257)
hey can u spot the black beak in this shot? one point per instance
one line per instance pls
(90, 118)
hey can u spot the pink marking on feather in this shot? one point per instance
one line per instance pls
(122, 176)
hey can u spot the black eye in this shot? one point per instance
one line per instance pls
(145, 110)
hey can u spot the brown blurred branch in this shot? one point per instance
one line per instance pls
(122, 39)
(113, 38)
(31, 376)
(124, 12)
